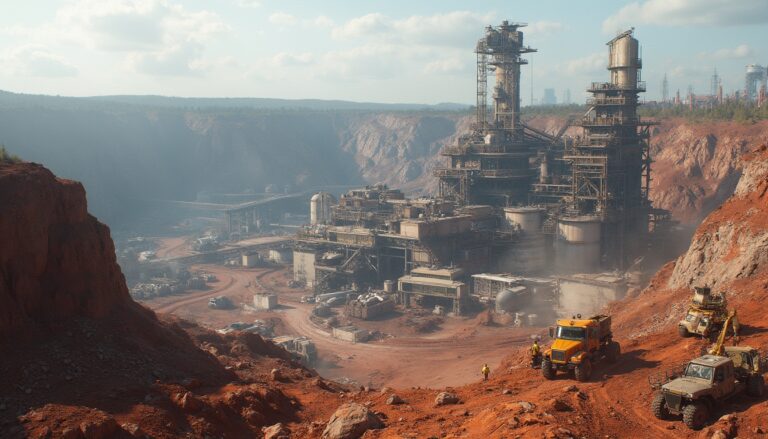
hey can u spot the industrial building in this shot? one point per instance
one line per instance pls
(511, 199)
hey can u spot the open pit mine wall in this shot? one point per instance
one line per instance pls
(56, 260)
(732, 243)
(123, 154)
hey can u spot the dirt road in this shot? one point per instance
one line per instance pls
(449, 357)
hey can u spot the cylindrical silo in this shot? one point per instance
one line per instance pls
(577, 245)
(320, 206)
(624, 61)
(527, 218)
(528, 255)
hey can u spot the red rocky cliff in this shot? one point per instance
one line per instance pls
(56, 260)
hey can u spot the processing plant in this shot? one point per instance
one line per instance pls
(512, 199)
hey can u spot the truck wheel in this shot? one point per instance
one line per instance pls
(613, 352)
(683, 331)
(584, 370)
(756, 386)
(547, 371)
(659, 407)
(695, 415)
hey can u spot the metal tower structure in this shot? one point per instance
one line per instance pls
(492, 164)
(611, 165)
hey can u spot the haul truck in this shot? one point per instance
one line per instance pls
(578, 345)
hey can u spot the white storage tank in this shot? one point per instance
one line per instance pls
(320, 206)
(528, 218)
(577, 246)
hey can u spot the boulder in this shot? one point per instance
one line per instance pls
(445, 398)
(395, 400)
(277, 431)
(350, 421)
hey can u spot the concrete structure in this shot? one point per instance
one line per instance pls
(281, 255)
(428, 287)
(304, 267)
(265, 301)
(350, 334)
(586, 294)
(251, 260)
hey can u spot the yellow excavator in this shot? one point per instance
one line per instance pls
(732, 321)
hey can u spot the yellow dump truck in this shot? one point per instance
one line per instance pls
(578, 344)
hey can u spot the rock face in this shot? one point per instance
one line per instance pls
(697, 165)
(56, 260)
(732, 243)
(350, 421)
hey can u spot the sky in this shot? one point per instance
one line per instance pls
(398, 51)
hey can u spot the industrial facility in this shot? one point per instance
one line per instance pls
(516, 207)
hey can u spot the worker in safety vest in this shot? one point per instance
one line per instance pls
(535, 354)
(485, 371)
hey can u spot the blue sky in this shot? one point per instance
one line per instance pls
(383, 51)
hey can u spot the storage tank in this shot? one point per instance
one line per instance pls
(624, 60)
(577, 245)
(529, 253)
(528, 218)
(320, 208)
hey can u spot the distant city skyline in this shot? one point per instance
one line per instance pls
(375, 51)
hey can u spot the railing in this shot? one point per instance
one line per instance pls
(607, 86)
(609, 121)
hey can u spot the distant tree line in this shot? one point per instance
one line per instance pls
(735, 111)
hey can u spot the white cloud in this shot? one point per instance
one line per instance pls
(458, 28)
(322, 21)
(367, 25)
(738, 52)
(593, 63)
(248, 3)
(282, 19)
(687, 13)
(283, 59)
(449, 65)
(689, 71)
(543, 28)
(37, 61)
(155, 36)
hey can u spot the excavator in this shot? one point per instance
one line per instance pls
(719, 347)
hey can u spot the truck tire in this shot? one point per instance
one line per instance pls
(583, 371)
(547, 371)
(683, 331)
(659, 407)
(756, 386)
(695, 415)
(612, 352)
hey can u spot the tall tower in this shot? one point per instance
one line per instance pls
(714, 84)
(492, 164)
(611, 165)
(665, 89)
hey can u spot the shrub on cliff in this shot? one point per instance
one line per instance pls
(5, 156)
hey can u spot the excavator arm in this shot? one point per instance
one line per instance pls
(732, 320)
